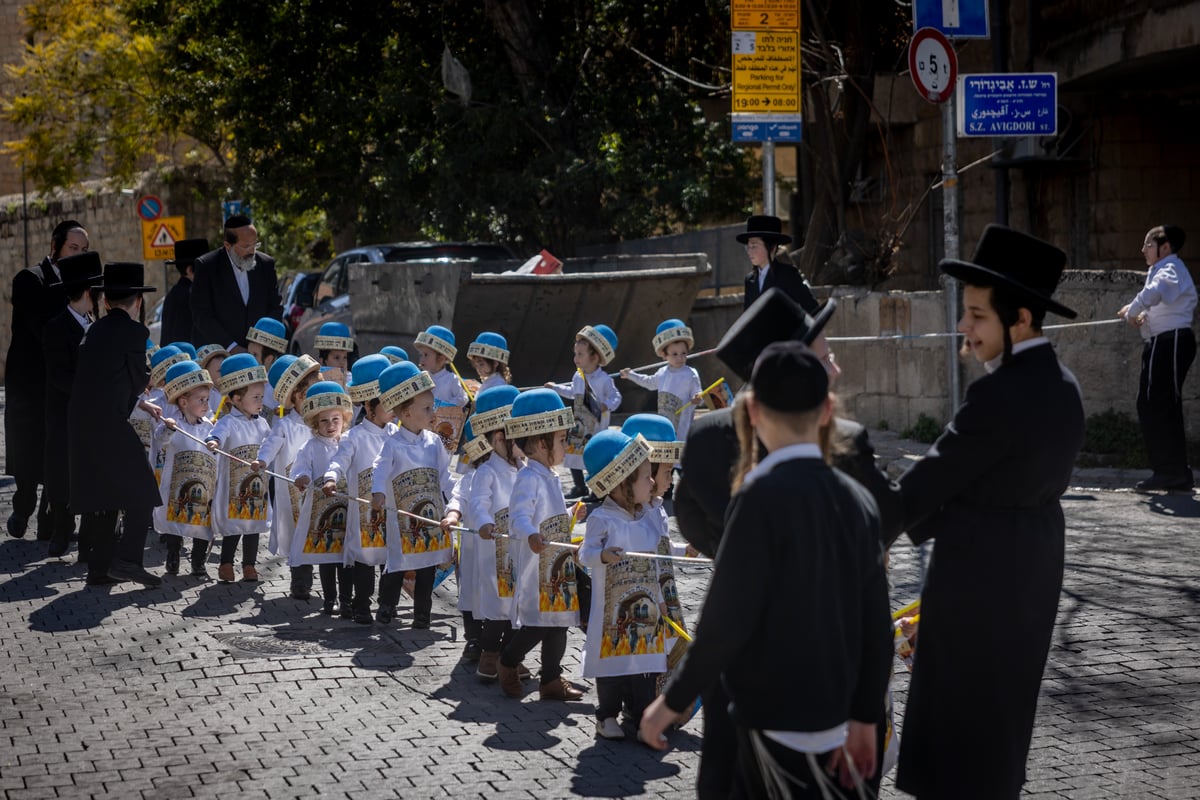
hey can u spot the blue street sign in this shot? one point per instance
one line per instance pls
(231, 208)
(958, 19)
(766, 127)
(1008, 104)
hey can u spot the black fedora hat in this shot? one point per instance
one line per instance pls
(1016, 261)
(186, 251)
(774, 317)
(769, 229)
(125, 276)
(80, 271)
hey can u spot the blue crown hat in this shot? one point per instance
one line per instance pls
(438, 339)
(239, 371)
(535, 412)
(403, 381)
(672, 330)
(661, 435)
(276, 370)
(296, 370)
(475, 445)
(610, 457)
(493, 408)
(183, 377)
(364, 377)
(162, 360)
(150, 346)
(322, 396)
(489, 345)
(603, 338)
(186, 347)
(209, 352)
(269, 333)
(394, 353)
(334, 336)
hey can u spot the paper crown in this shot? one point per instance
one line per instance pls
(183, 377)
(322, 396)
(401, 382)
(239, 371)
(476, 445)
(364, 377)
(659, 433)
(162, 360)
(151, 347)
(186, 347)
(209, 352)
(673, 330)
(610, 457)
(773, 317)
(277, 368)
(492, 408)
(80, 271)
(535, 412)
(296, 371)
(334, 336)
(394, 353)
(439, 340)
(269, 333)
(603, 339)
(489, 345)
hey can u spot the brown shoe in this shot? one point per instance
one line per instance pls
(510, 681)
(250, 573)
(559, 690)
(524, 672)
(489, 660)
(225, 573)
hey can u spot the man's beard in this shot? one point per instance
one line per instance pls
(244, 264)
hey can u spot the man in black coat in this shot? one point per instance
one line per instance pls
(234, 287)
(763, 237)
(34, 302)
(109, 471)
(60, 343)
(177, 310)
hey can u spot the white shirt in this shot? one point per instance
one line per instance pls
(84, 321)
(447, 388)
(405, 452)
(241, 276)
(683, 383)
(352, 464)
(1168, 298)
(789, 453)
(762, 274)
(994, 364)
(536, 498)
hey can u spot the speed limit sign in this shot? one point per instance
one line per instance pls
(933, 65)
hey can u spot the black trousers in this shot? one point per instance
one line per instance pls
(25, 500)
(249, 542)
(494, 635)
(1165, 362)
(472, 627)
(554, 645)
(634, 692)
(62, 523)
(802, 782)
(718, 748)
(136, 525)
(97, 540)
(392, 582)
(336, 582)
(364, 586)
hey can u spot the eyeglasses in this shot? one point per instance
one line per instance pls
(1150, 243)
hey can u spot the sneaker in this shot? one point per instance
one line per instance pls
(128, 571)
(362, 617)
(510, 682)
(472, 652)
(609, 729)
(172, 565)
(558, 689)
(384, 616)
(250, 573)
(489, 660)
(225, 573)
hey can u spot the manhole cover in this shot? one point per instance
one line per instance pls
(304, 644)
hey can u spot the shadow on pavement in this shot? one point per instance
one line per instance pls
(1185, 506)
(623, 768)
(89, 606)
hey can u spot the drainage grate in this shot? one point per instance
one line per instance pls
(307, 644)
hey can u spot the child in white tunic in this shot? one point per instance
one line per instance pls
(489, 354)
(334, 344)
(677, 384)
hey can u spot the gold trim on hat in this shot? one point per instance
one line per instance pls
(185, 383)
(488, 421)
(597, 340)
(560, 419)
(334, 343)
(361, 393)
(487, 351)
(291, 377)
(625, 464)
(208, 351)
(679, 332)
(436, 344)
(421, 382)
(323, 402)
(666, 452)
(159, 373)
(266, 339)
(476, 448)
(228, 384)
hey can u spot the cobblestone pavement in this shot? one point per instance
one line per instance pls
(199, 689)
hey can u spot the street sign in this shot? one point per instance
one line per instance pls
(957, 19)
(932, 64)
(767, 128)
(765, 15)
(149, 208)
(766, 72)
(233, 208)
(1008, 104)
(159, 237)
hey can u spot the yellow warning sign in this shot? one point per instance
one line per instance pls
(159, 237)
(763, 15)
(766, 72)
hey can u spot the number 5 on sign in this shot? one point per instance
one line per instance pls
(765, 15)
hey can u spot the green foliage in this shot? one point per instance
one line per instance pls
(926, 430)
(1113, 439)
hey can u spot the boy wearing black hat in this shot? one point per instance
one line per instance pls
(762, 238)
(109, 472)
(778, 565)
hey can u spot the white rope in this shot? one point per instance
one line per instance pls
(897, 337)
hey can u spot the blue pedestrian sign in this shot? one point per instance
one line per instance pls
(1008, 104)
(232, 208)
(957, 19)
(766, 128)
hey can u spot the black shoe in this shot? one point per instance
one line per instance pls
(172, 564)
(127, 570)
(102, 580)
(300, 593)
(362, 617)
(330, 607)
(17, 525)
(384, 616)
(420, 622)
(1165, 483)
(472, 651)
(347, 610)
(57, 548)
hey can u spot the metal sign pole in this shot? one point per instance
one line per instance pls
(768, 171)
(951, 245)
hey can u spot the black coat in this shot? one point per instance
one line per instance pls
(35, 300)
(108, 467)
(60, 343)
(988, 493)
(218, 314)
(786, 278)
(177, 315)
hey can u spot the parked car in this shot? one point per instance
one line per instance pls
(299, 295)
(332, 300)
(154, 321)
